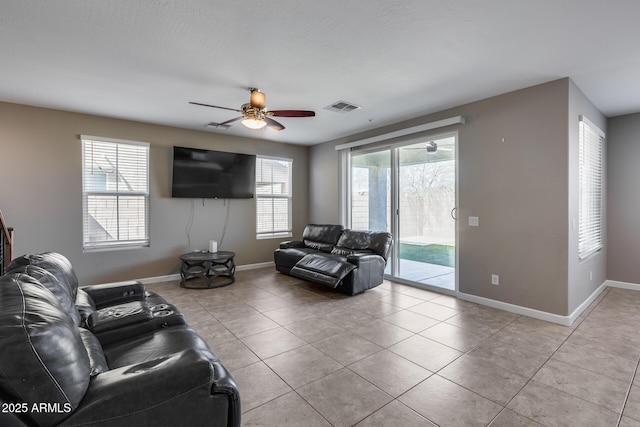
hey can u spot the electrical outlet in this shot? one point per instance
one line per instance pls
(474, 221)
(495, 279)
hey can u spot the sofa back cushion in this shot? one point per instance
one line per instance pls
(355, 242)
(50, 282)
(54, 263)
(42, 357)
(321, 236)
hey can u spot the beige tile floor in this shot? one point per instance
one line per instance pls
(303, 355)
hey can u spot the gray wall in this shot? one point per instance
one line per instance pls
(623, 204)
(524, 190)
(324, 182)
(587, 275)
(41, 193)
(518, 188)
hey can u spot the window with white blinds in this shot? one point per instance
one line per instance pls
(591, 170)
(115, 193)
(273, 197)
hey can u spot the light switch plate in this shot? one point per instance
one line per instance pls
(474, 221)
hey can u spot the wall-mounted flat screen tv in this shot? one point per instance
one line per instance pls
(207, 174)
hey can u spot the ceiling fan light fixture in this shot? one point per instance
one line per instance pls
(257, 100)
(253, 123)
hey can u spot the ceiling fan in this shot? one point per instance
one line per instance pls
(255, 114)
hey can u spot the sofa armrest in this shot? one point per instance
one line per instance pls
(115, 293)
(369, 271)
(366, 258)
(292, 244)
(148, 393)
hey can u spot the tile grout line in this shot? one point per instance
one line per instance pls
(343, 367)
(436, 372)
(260, 360)
(541, 366)
(589, 311)
(469, 351)
(534, 374)
(626, 397)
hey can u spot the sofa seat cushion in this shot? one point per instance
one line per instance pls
(154, 345)
(287, 258)
(339, 250)
(323, 268)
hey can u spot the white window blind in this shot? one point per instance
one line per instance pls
(591, 170)
(273, 197)
(115, 189)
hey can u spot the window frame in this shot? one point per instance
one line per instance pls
(117, 244)
(273, 234)
(590, 185)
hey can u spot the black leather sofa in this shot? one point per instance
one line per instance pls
(348, 260)
(113, 355)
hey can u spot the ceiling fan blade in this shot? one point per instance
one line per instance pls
(292, 113)
(273, 124)
(214, 106)
(230, 121)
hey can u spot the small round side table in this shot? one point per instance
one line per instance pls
(207, 266)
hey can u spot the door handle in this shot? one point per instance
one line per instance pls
(454, 212)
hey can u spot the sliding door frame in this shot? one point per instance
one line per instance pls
(394, 148)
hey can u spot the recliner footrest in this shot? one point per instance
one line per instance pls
(322, 268)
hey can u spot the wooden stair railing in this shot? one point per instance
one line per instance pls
(6, 244)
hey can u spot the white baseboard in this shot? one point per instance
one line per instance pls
(518, 309)
(623, 285)
(538, 314)
(255, 266)
(586, 303)
(176, 276)
(159, 279)
(550, 317)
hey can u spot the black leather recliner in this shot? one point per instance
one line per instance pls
(348, 260)
(111, 311)
(140, 365)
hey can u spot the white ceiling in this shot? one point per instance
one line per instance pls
(398, 59)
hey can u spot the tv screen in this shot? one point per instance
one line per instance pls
(212, 174)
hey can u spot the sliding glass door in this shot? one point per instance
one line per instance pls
(371, 191)
(427, 199)
(410, 191)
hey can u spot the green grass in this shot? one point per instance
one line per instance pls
(432, 254)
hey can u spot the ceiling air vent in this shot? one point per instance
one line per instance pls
(342, 107)
(217, 126)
